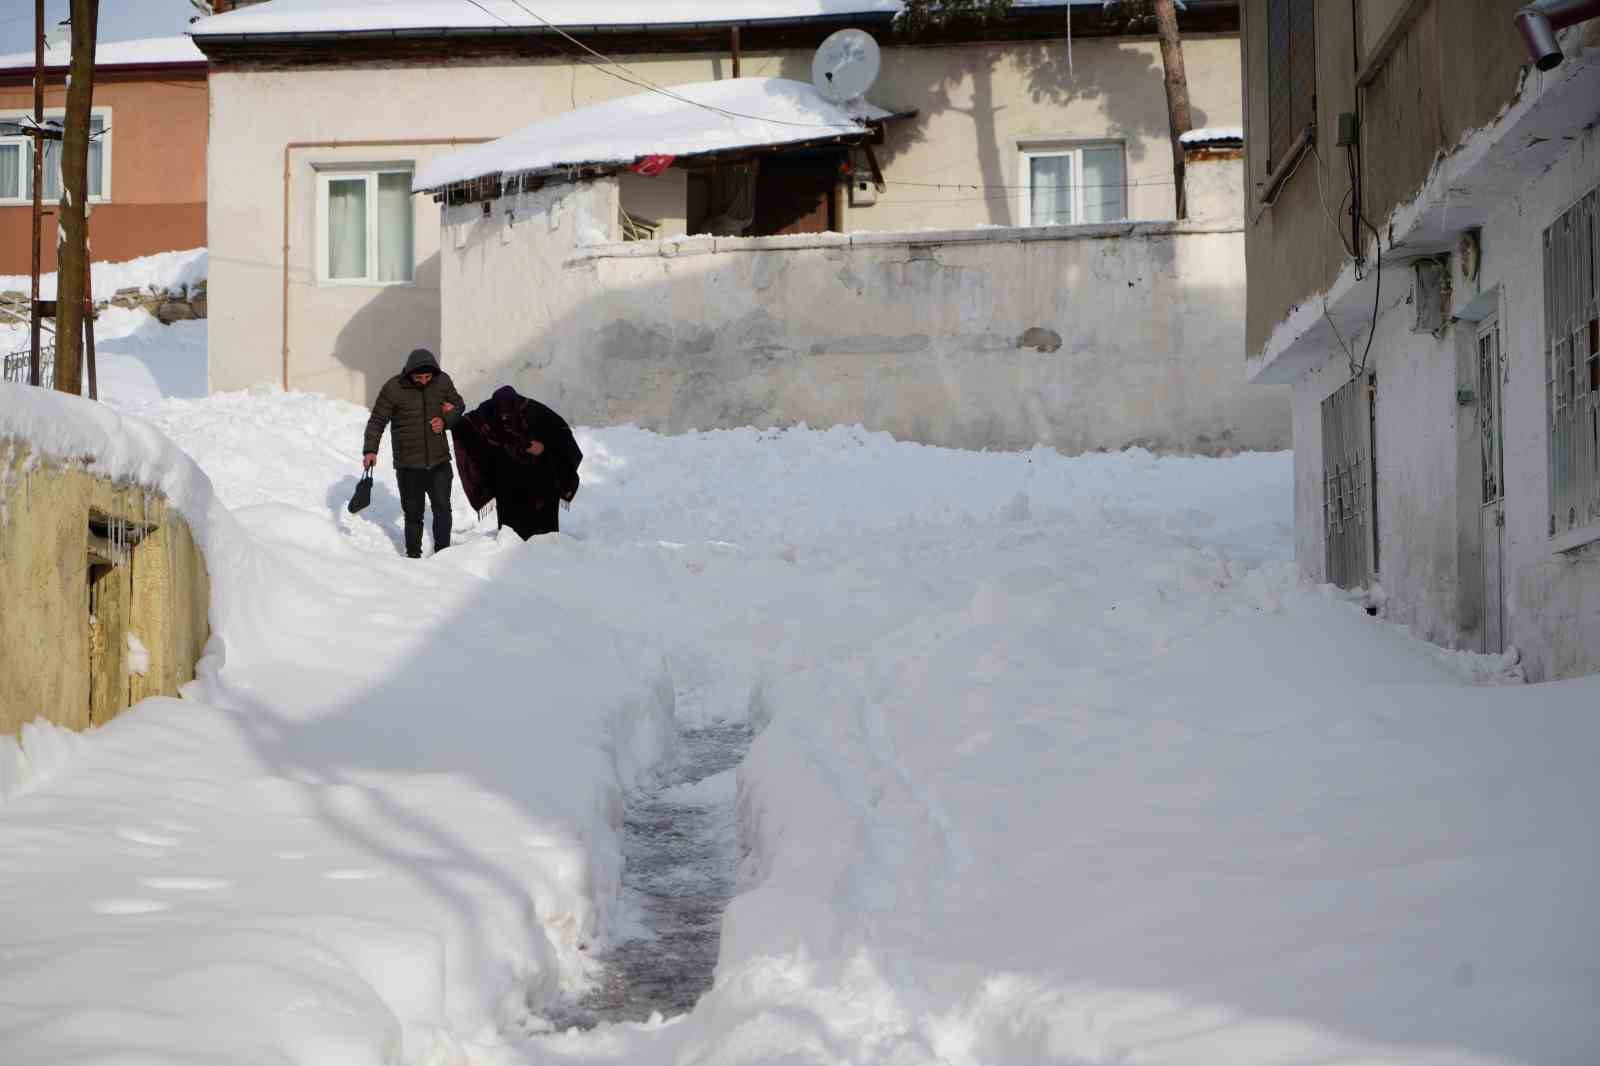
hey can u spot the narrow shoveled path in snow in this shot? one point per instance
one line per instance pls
(680, 853)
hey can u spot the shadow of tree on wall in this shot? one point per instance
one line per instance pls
(971, 84)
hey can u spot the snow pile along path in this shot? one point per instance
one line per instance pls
(384, 822)
(1055, 760)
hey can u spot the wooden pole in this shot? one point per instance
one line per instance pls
(1179, 119)
(88, 321)
(72, 257)
(736, 51)
(38, 175)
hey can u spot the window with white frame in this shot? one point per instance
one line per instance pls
(365, 226)
(16, 159)
(1064, 184)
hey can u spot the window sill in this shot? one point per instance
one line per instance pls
(1574, 539)
(335, 283)
(94, 201)
(1284, 168)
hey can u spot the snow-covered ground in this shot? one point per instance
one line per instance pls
(1057, 761)
(164, 270)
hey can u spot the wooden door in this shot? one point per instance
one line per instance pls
(796, 194)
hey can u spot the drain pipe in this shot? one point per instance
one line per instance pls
(1539, 21)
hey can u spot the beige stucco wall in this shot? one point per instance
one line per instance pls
(1077, 337)
(975, 106)
(161, 590)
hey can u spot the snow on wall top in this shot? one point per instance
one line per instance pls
(749, 112)
(353, 16)
(69, 430)
(152, 51)
(1214, 135)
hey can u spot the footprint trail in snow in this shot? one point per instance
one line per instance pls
(680, 851)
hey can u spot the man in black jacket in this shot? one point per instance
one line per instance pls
(418, 404)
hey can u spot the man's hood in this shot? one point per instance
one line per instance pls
(421, 359)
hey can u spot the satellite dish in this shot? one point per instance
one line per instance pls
(846, 65)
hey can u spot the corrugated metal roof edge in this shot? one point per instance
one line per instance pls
(608, 28)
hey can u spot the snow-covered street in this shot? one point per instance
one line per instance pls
(1055, 760)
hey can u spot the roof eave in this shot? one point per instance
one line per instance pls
(197, 66)
(615, 166)
(614, 28)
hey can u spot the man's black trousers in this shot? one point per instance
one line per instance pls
(432, 486)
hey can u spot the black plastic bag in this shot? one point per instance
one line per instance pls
(363, 494)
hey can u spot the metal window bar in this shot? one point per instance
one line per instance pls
(1347, 485)
(1572, 337)
(16, 366)
(1291, 73)
(634, 228)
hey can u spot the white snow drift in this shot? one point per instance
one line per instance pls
(1059, 762)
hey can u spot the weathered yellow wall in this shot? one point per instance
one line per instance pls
(45, 634)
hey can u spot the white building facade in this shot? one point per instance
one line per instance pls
(1446, 399)
(323, 275)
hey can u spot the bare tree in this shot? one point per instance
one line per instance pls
(72, 249)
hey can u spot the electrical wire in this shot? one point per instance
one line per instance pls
(1322, 198)
(627, 75)
(1377, 295)
(978, 186)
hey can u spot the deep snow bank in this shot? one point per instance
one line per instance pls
(1060, 762)
(383, 823)
(168, 271)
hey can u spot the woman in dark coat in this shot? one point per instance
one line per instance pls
(521, 454)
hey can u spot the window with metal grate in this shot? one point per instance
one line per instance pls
(1572, 356)
(1291, 74)
(1348, 515)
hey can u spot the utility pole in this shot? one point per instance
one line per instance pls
(72, 255)
(38, 176)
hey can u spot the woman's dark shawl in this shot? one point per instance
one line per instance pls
(495, 437)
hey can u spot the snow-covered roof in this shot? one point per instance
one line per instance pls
(1213, 135)
(150, 51)
(355, 16)
(711, 116)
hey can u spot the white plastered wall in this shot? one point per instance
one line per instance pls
(1428, 459)
(1080, 338)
